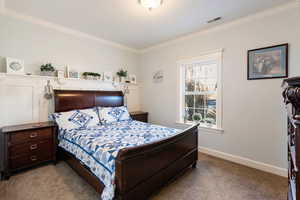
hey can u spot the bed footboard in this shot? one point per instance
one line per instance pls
(143, 169)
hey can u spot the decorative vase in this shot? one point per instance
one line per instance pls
(122, 79)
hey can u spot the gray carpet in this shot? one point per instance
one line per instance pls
(214, 179)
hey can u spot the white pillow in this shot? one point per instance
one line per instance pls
(113, 114)
(77, 118)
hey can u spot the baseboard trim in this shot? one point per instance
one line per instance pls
(245, 161)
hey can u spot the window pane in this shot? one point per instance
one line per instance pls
(189, 101)
(188, 114)
(198, 86)
(189, 79)
(210, 116)
(206, 108)
(200, 101)
(212, 101)
(199, 115)
(189, 85)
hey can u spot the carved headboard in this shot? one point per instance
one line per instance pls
(66, 100)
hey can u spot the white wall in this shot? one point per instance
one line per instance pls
(253, 113)
(21, 99)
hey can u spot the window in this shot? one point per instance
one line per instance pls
(200, 90)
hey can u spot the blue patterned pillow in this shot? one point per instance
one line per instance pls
(113, 114)
(76, 118)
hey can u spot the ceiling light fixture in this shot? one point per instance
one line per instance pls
(150, 4)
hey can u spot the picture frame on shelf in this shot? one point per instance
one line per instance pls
(108, 76)
(60, 74)
(73, 74)
(132, 78)
(14, 66)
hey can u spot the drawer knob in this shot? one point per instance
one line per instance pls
(33, 158)
(33, 147)
(33, 135)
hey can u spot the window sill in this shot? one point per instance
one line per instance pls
(205, 128)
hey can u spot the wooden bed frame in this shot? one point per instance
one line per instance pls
(141, 170)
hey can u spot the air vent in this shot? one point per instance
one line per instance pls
(214, 20)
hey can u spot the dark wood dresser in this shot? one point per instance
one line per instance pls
(139, 116)
(291, 95)
(26, 145)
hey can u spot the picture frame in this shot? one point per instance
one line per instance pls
(73, 74)
(268, 62)
(60, 74)
(108, 76)
(14, 66)
(132, 78)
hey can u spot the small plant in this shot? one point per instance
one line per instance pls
(122, 73)
(91, 74)
(47, 68)
(196, 118)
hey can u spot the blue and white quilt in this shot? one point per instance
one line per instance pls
(97, 147)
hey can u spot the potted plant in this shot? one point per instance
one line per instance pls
(47, 70)
(197, 118)
(122, 75)
(91, 76)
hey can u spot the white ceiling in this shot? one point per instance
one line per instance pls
(128, 23)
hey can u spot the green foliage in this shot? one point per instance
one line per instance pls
(47, 68)
(196, 117)
(91, 74)
(122, 73)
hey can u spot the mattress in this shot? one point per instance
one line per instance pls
(97, 147)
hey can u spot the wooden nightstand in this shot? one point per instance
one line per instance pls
(139, 116)
(26, 145)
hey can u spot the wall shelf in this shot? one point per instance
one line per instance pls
(60, 80)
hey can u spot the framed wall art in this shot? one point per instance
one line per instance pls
(269, 62)
(108, 76)
(132, 78)
(14, 66)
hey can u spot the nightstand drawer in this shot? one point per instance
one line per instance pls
(142, 118)
(30, 159)
(26, 145)
(30, 147)
(30, 135)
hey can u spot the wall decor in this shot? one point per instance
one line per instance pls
(14, 66)
(47, 70)
(108, 76)
(48, 91)
(268, 62)
(122, 75)
(60, 73)
(91, 76)
(158, 76)
(132, 78)
(73, 74)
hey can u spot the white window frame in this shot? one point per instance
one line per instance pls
(215, 56)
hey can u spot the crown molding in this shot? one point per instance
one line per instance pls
(258, 15)
(11, 13)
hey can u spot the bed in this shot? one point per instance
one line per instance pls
(139, 170)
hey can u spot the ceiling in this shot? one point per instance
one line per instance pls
(128, 23)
